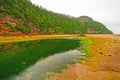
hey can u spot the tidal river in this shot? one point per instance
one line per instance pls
(32, 60)
(53, 63)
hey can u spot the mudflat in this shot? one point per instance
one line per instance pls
(103, 64)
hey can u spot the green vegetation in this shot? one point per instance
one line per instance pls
(15, 57)
(41, 20)
(23, 29)
(85, 45)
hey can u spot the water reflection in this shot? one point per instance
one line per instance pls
(52, 63)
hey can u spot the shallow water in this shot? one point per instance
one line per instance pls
(53, 63)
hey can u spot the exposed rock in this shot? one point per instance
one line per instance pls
(6, 30)
(9, 19)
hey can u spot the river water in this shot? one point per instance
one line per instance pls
(54, 63)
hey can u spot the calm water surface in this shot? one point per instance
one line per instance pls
(53, 63)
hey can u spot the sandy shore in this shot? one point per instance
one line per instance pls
(103, 64)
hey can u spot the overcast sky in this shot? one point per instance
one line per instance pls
(105, 11)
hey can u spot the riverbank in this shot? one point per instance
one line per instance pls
(103, 64)
(29, 37)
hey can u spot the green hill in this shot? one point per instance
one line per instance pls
(22, 15)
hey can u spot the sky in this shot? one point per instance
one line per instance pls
(104, 11)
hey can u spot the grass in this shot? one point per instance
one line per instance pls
(17, 56)
(84, 47)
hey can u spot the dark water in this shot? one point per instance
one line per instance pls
(52, 63)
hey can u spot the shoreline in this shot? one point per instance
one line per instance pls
(19, 38)
(102, 64)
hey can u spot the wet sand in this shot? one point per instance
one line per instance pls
(103, 64)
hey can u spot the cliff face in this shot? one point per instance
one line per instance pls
(85, 19)
(6, 30)
(24, 17)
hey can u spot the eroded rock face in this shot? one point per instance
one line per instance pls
(91, 31)
(9, 19)
(85, 19)
(6, 30)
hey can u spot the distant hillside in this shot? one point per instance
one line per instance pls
(21, 16)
